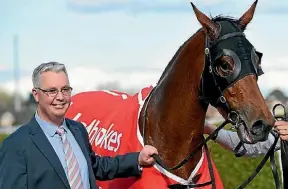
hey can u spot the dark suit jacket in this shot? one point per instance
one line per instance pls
(27, 160)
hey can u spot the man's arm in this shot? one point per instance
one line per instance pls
(13, 174)
(229, 140)
(121, 166)
(107, 168)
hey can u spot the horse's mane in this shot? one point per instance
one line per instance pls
(217, 18)
(225, 18)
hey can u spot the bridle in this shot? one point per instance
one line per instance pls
(218, 88)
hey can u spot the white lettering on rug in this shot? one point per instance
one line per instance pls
(101, 137)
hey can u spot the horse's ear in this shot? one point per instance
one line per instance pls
(208, 25)
(247, 16)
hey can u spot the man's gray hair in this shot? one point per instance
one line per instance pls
(46, 67)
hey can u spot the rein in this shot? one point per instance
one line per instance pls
(233, 118)
(270, 154)
(184, 161)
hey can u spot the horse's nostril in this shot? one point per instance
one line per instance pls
(259, 128)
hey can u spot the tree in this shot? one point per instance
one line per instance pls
(31, 99)
(114, 85)
(5, 98)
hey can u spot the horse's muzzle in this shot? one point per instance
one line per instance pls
(260, 131)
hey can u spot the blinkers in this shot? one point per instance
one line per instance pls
(246, 60)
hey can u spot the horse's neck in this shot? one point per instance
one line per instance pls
(175, 117)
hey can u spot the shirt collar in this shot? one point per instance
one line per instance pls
(47, 127)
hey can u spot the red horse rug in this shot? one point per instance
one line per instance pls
(111, 119)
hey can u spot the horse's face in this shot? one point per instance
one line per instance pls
(229, 80)
(236, 66)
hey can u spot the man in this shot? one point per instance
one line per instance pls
(53, 152)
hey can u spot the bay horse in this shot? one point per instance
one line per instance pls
(218, 66)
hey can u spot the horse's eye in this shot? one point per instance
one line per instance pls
(224, 66)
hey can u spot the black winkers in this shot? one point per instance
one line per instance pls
(246, 60)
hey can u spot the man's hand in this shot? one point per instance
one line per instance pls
(145, 156)
(282, 128)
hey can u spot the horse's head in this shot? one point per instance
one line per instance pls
(231, 70)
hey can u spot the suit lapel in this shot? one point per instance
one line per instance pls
(43, 144)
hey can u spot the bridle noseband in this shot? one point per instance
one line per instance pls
(211, 92)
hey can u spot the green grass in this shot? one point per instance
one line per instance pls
(2, 137)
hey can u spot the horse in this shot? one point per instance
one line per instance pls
(218, 66)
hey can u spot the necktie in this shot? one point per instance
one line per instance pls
(74, 176)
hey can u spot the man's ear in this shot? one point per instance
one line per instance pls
(35, 95)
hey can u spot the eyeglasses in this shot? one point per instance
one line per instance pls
(66, 91)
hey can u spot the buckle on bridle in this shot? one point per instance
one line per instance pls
(207, 51)
(233, 117)
(222, 99)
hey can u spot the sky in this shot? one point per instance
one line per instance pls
(126, 41)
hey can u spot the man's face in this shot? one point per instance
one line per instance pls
(51, 101)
